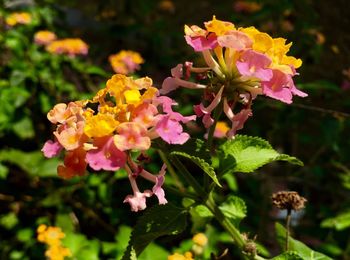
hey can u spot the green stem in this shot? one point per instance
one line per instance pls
(210, 204)
(289, 211)
(228, 226)
(224, 222)
(217, 114)
(171, 170)
(184, 173)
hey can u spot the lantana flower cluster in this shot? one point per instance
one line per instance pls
(18, 18)
(241, 63)
(68, 46)
(126, 62)
(44, 37)
(52, 236)
(102, 132)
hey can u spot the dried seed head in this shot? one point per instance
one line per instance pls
(289, 200)
(250, 248)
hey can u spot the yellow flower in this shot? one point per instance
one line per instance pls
(18, 18)
(57, 252)
(100, 125)
(71, 47)
(126, 62)
(52, 236)
(219, 27)
(200, 239)
(44, 37)
(177, 256)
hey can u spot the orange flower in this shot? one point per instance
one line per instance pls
(44, 37)
(18, 18)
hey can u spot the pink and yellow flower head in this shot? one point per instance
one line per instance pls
(44, 37)
(129, 114)
(70, 47)
(125, 62)
(52, 236)
(241, 64)
(18, 18)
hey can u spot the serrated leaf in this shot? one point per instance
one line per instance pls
(234, 208)
(206, 167)
(303, 250)
(158, 221)
(247, 153)
(193, 146)
(289, 255)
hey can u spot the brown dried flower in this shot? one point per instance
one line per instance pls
(289, 200)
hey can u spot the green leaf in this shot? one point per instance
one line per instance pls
(25, 235)
(4, 171)
(80, 247)
(9, 220)
(122, 238)
(303, 251)
(158, 221)
(94, 70)
(154, 252)
(246, 154)
(206, 167)
(24, 128)
(65, 222)
(289, 255)
(34, 163)
(234, 208)
(339, 222)
(200, 216)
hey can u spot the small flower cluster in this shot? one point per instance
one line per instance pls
(44, 37)
(186, 256)
(18, 18)
(125, 62)
(52, 236)
(241, 64)
(199, 242)
(130, 113)
(69, 46)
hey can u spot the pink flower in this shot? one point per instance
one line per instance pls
(106, 156)
(51, 148)
(281, 87)
(138, 200)
(254, 64)
(237, 120)
(144, 114)
(159, 181)
(201, 43)
(71, 137)
(171, 131)
(157, 188)
(236, 40)
(172, 83)
(200, 110)
(168, 126)
(131, 135)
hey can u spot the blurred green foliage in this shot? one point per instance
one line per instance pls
(90, 209)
